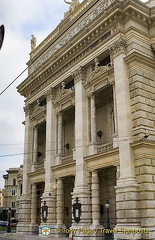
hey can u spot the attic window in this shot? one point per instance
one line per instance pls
(70, 85)
(105, 61)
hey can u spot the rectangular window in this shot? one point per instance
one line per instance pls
(13, 192)
(13, 204)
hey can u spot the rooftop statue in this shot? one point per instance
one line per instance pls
(33, 42)
(73, 5)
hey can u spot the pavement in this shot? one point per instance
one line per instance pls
(13, 236)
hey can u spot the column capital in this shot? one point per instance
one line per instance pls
(118, 47)
(50, 94)
(27, 109)
(79, 74)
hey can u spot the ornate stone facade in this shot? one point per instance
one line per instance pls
(89, 124)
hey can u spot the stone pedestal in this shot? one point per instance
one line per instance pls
(23, 226)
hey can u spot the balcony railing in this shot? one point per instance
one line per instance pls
(104, 147)
(67, 159)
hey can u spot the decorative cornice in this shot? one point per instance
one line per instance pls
(69, 35)
(79, 75)
(118, 47)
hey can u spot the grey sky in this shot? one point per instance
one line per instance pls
(21, 19)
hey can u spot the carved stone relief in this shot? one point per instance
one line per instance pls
(118, 47)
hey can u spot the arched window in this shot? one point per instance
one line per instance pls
(14, 181)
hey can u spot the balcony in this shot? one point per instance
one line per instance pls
(104, 147)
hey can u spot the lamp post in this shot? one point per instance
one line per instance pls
(9, 218)
(44, 212)
(108, 235)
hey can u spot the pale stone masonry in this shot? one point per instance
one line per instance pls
(12, 190)
(90, 123)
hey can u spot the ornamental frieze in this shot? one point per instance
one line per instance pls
(101, 8)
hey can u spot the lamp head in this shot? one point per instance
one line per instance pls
(107, 204)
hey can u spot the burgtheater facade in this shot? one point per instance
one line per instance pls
(90, 122)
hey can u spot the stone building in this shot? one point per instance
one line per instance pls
(90, 122)
(1, 197)
(12, 190)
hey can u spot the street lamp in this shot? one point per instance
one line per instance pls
(44, 212)
(77, 210)
(9, 218)
(108, 235)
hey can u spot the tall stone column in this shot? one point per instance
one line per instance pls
(81, 189)
(49, 195)
(25, 202)
(95, 199)
(127, 197)
(34, 226)
(93, 118)
(59, 202)
(59, 133)
(35, 144)
(115, 135)
(34, 204)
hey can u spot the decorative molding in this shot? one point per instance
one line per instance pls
(28, 110)
(153, 46)
(79, 75)
(50, 94)
(101, 8)
(38, 111)
(118, 47)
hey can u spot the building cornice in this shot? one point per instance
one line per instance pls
(62, 61)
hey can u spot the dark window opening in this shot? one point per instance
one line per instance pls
(14, 181)
(70, 85)
(105, 61)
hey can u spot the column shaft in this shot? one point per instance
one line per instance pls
(35, 144)
(93, 118)
(124, 117)
(34, 205)
(95, 199)
(60, 202)
(115, 111)
(60, 133)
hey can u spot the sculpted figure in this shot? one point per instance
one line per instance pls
(96, 63)
(73, 4)
(33, 42)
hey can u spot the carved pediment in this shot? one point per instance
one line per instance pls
(62, 93)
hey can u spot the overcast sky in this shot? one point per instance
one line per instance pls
(21, 19)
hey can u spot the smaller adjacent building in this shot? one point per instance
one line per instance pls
(1, 197)
(12, 190)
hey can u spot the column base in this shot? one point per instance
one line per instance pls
(127, 207)
(92, 148)
(58, 159)
(49, 197)
(34, 228)
(83, 194)
(128, 232)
